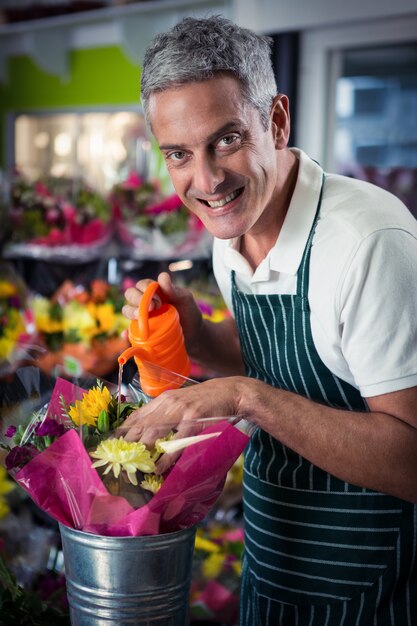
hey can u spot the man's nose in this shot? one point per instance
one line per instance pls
(208, 175)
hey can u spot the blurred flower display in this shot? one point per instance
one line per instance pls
(215, 585)
(82, 323)
(217, 563)
(15, 319)
(12, 324)
(56, 215)
(154, 225)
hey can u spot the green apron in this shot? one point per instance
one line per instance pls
(318, 551)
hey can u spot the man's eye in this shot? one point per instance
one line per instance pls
(175, 156)
(227, 140)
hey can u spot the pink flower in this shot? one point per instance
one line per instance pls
(17, 214)
(235, 534)
(89, 233)
(42, 189)
(52, 215)
(133, 181)
(69, 211)
(55, 237)
(205, 307)
(20, 455)
(195, 223)
(173, 203)
(11, 431)
(49, 428)
(128, 282)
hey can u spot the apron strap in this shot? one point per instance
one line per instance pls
(303, 274)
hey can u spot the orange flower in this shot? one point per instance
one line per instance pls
(99, 290)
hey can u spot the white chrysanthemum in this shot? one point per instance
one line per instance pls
(119, 454)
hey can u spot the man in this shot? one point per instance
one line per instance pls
(319, 272)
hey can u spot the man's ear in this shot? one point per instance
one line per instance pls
(280, 121)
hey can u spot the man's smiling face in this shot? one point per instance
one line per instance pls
(221, 159)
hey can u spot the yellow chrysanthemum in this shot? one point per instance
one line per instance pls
(205, 544)
(5, 486)
(216, 316)
(237, 567)
(7, 289)
(87, 410)
(6, 347)
(235, 474)
(119, 454)
(11, 333)
(152, 483)
(77, 317)
(44, 323)
(4, 508)
(121, 323)
(213, 564)
(48, 325)
(105, 317)
(217, 532)
(16, 323)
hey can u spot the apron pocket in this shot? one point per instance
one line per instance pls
(305, 547)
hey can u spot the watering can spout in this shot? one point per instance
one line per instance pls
(128, 353)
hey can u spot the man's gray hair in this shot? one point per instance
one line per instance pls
(197, 49)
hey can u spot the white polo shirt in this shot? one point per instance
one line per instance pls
(363, 277)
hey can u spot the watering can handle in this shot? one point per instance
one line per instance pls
(143, 312)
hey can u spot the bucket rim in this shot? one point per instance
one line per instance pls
(172, 534)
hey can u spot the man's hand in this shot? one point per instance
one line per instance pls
(215, 346)
(181, 409)
(182, 299)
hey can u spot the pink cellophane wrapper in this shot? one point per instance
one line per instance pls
(61, 481)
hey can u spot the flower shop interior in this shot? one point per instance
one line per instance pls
(87, 209)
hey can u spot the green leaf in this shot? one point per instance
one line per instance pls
(103, 421)
(8, 581)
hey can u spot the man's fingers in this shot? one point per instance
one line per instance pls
(165, 462)
(130, 312)
(133, 296)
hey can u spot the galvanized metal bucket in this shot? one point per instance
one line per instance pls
(128, 581)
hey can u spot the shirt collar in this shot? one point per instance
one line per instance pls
(288, 250)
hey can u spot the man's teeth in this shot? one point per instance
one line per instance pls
(220, 203)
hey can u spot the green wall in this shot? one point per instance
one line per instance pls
(98, 77)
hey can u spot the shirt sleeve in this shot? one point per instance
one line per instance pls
(378, 312)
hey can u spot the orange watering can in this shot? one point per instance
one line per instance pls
(158, 346)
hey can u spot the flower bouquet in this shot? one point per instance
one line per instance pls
(81, 327)
(57, 217)
(156, 226)
(77, 467)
